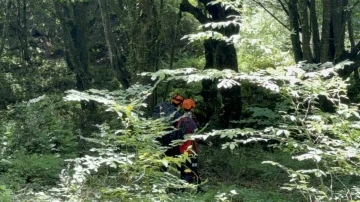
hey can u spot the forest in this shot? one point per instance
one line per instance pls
(273, 85)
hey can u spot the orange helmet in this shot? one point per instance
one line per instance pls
(188, 104)
(177, 100)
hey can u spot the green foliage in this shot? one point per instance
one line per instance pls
(126, 162)
(33, 171)
(327, 140)
(6, 194)
(36, 134)
(263, 42)
(261, 117)
(40, 126)
(129, 156)
(50, 76)
(230, 193)
(316, 151)
(189, 61)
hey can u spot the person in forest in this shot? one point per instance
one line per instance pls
(169, 110)
(187, 125)
(166, 109)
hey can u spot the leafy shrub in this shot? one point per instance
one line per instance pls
(6, 194)
(126, 164)
(33, 171)
(326, 141)
(35, 134)
(43, 125)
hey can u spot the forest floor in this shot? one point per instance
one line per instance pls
(242, 170)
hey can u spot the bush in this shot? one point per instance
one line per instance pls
(31, 171)
(6, 194)
(45, 125)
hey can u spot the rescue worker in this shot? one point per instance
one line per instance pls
(166, 109)
(187, 125)
(169, 110)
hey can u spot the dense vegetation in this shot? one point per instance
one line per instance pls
(275, 83)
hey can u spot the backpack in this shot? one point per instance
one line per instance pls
(187, 125)
(166, 109)
(170, 112)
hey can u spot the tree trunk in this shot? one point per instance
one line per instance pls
(314, 32)
(294, 25)
(145, 42)
(22, 29)
(350, 31)
(115, 57)
(172, 53)
(338, 25)
(74, 25)
(325, 34)
(220, 55)
(305, 30)
(331, 45)
(5, 26)
(223, 105)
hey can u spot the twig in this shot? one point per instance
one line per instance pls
(272, 15)
(283, 7)
(355, 4)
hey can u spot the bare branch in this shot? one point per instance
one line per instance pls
(355, 4)
(186, 6)
(272, 15)
(355, 49)
(283, 7)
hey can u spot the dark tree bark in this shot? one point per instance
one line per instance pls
(5, 26)
(21, 28)
(325, 33)
(153, 38)
(350, 31)
(116, 62)
(336, 14)
(314, 32)
(172, 53)
(75, 24)
(73, 18)
(305, 31)
(334, 18)
(294, 25)
(338, 27)
(145, 42)
(218, 55)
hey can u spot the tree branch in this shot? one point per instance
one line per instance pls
(283, 7)
(205, 2)
(355, 4)
(272, 15)
(185, 6)
(354, 51)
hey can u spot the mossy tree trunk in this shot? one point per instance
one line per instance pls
(5, 26)
(22, 28)
(223, 105)
(73, 18)
(75, 24)
(116, 60)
